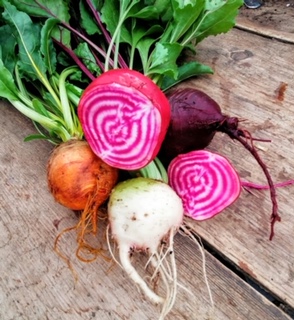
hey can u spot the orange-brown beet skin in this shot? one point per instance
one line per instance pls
(74, 173)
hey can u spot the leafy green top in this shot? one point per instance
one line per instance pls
(28, 77)
(147, 35)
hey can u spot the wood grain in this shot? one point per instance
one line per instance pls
(274, 19)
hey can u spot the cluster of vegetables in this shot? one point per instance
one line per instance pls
(96, 81)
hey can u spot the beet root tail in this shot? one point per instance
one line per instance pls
(239, 136)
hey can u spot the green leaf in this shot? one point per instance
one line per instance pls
(126, 6)
(8, 44)
(87, 21)
(28, 39)
(35, 137)
(213, 5)
(220, 18)
(186, 71)
(50, 103)
(8, 89)
(44, 8)
(46, 46)
(31, 63)
(143, 47)
(47, 9)
(83, 52)
(220, 21)
(110, 15)
(39, 107)
(146, 13)
(63, 59)
(164, 59)
(138, 34)
(48, 135)
(185, 13)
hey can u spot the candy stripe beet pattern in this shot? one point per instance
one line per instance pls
(121, 125)
(206, 182)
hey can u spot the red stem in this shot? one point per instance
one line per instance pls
(79, 34)
(76, 59)
(239, 135)
(247, 184)
(107, 37)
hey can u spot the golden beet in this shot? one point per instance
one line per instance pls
(79, 180)
(75, 173)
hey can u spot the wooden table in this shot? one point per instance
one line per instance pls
(250, 276)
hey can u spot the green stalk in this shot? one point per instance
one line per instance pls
(156, 79)
(132, 54)
(116, 52)
(26, 104)
(116, 34)
(49, 124)
(41, 76)
(73, 97)
(161, 169)
(111, 44)
(19, 83)
(154, 170)
(65, 105)
(193, 34)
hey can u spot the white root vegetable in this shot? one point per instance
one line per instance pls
(144, 214)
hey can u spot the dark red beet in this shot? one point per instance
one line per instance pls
(195, 119)
(194, 122)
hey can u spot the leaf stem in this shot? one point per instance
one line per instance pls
(73, 30)
(68, 113)
(192, 35)
(116, 34)
(47, 123)
(116, 51)
(75, 59)
(106, 35)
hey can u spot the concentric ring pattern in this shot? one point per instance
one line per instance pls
(206, 182)
(121, 125)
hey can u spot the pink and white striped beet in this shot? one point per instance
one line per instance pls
(125, 117)
(206, 182)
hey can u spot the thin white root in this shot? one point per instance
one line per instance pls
(187, 232)
(133, 274)
(109, 247)
(170, 301)
(168, 272)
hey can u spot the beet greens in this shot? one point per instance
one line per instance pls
(196, 118)
(146, 36)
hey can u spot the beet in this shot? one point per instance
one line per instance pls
(194, 122)
(195, 119)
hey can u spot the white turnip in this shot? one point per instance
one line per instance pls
(144, 214)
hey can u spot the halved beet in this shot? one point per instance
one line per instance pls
(206, 182)
(125, 116)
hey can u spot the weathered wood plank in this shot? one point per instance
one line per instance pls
(274, 19)
(36, 284)
(251, 73)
